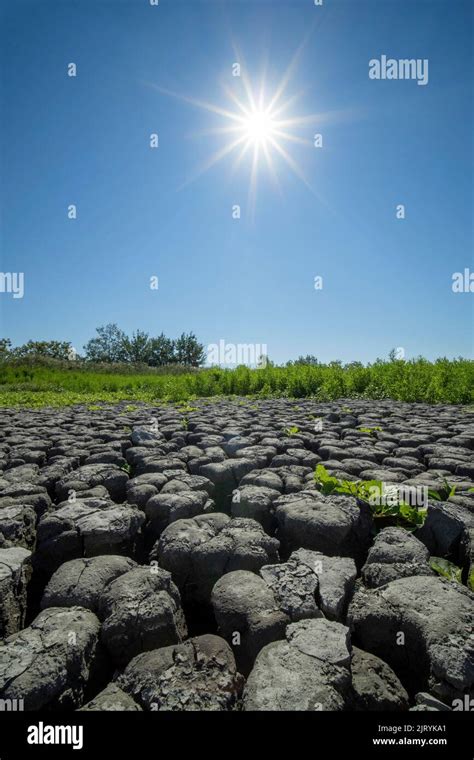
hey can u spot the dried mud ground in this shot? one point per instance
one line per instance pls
(182, 558)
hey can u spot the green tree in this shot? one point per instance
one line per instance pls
(308, 359)
(161, 351)
(53, 349)
(108, 346)
(188, 350)
(5, 346)
(137, 348)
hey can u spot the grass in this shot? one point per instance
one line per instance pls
(417, 380)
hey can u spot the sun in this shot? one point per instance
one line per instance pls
(259, 127)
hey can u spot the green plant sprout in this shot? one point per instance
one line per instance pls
(371, 430)
(371, 492)
(470, 580)
(446, 569)
(444, 493)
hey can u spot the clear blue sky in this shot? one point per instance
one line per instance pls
(85, 140)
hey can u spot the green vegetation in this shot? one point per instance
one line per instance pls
(446, 569)
(111, 345)
(371, 431)
(186, 409)
(444, 493)
(289, 431)
(56, 383)
(384, 511)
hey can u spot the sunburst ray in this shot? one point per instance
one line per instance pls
(259, 122)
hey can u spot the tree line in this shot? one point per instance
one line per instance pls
(113, 345)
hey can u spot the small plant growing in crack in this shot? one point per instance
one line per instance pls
(446, 569)
(126, 468)
(371, 430)
(128, 408)
(370, 492)
(444, 493)
(289, 431)
(470, 580)
(186, 409)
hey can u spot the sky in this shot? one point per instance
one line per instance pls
(146, 212)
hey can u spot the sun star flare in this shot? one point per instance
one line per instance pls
(256, 126)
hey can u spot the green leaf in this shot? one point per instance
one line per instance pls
(449, 490)
(321, 473)
(444, 493)
(470, 580)
(370, 491)
(371, 430)
(367, 491)
(446, 569)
